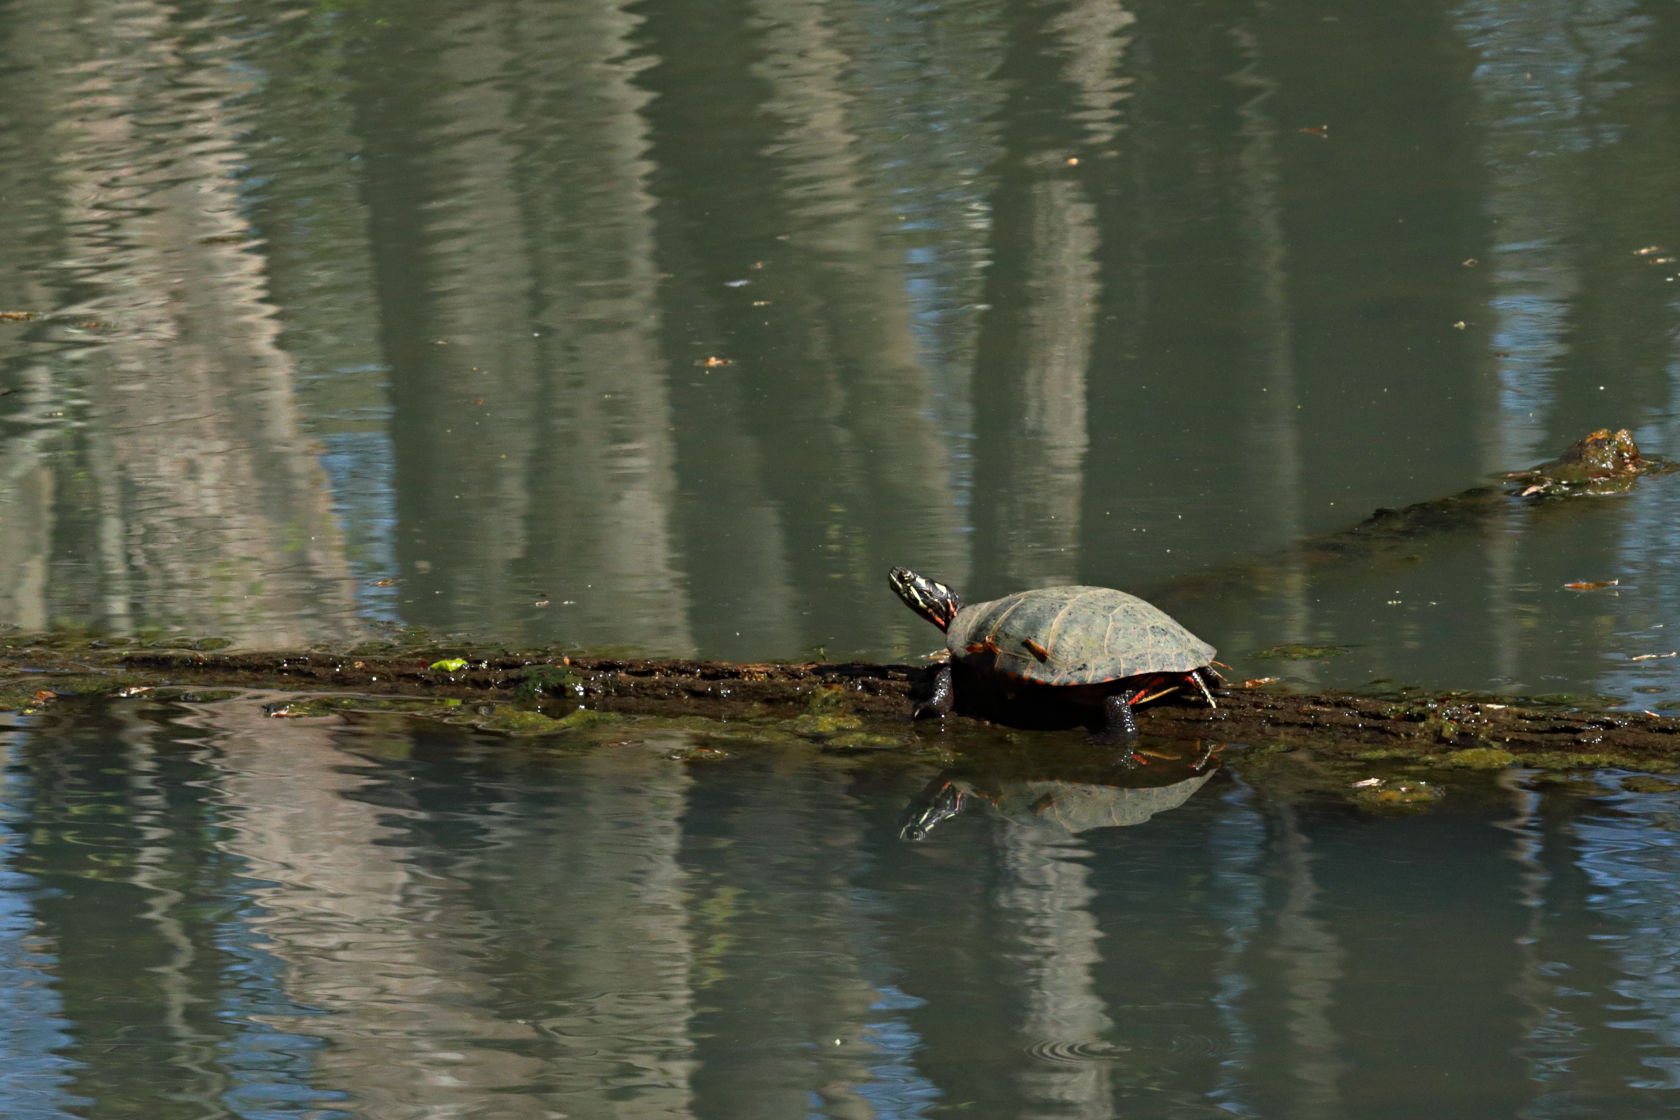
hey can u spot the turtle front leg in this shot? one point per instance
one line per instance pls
(1119, 725)
(939, 700)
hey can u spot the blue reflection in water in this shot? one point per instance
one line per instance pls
(895, 1088)
(34, 1034)
(1237, 843)
(1630, 858)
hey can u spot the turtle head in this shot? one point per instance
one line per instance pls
(927, 597)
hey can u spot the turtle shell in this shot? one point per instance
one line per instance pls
(1076, 636)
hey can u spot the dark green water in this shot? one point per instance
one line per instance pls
(208, 912)
(665, 328)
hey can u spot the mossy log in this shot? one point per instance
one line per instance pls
(1405, 724)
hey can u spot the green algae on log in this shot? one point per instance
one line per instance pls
(1602, 462)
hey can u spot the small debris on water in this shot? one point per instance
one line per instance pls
(1291, 652)
(1653, 656)
(1592, 585)
(698, 754)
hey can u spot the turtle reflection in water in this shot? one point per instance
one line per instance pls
(1071, 798)
(1090, 646)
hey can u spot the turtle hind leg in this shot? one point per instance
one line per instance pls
(1201, 677)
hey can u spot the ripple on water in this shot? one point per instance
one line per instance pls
(1069, 1050)
(1207, 1045)
(1076, 1050)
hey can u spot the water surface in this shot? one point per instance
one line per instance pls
(205, 911)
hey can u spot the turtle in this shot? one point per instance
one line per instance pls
(1068, 807)
(1062, 792)
(1086, 645)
